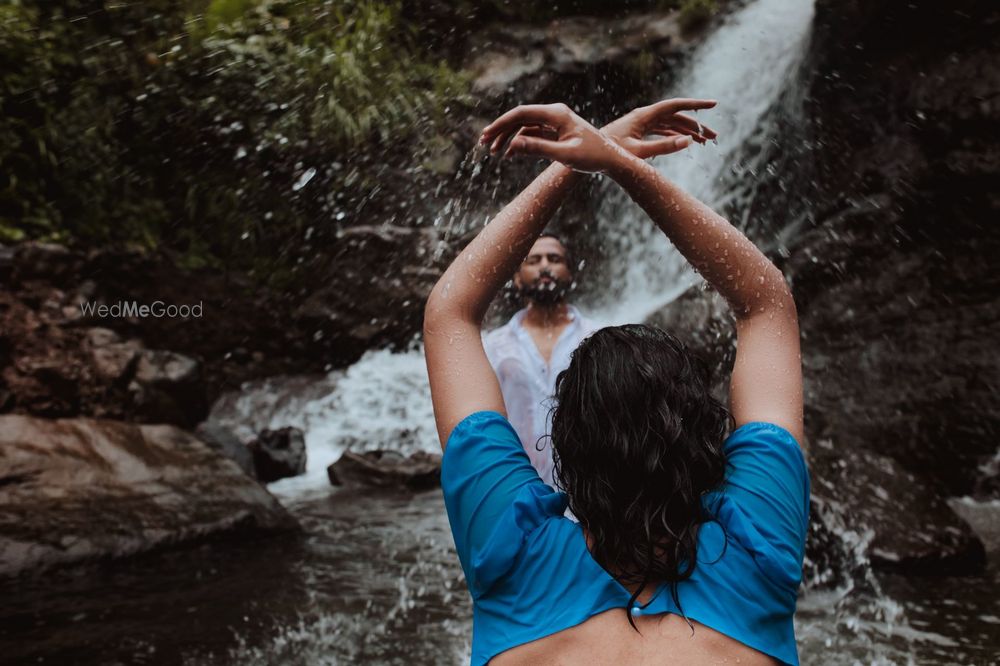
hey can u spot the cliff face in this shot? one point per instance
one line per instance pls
(897, 163)
(896, 281)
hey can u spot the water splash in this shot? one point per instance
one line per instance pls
(381, 402)
(304, 179)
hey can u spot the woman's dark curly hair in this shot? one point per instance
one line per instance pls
(637, 440)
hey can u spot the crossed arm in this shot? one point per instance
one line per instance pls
(462, 379)
(766, 383)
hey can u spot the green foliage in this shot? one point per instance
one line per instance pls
(227, 11)
(185, 125)
(696, 13)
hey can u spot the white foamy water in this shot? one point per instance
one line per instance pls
(381, 402)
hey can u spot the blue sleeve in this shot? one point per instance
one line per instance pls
(483, 470)
(768, 479)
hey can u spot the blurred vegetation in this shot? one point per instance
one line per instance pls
(696, 13)
(191, 126)
(224, 131)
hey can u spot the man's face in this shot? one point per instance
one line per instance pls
(544, 276)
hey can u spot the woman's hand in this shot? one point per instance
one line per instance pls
(673, 130)
(555, 132)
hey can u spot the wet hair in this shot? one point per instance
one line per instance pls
(637, 441)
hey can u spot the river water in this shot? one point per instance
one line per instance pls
(374, 578)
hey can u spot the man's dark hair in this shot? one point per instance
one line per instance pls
(637, 441)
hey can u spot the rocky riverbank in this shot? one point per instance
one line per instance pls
(83, 489)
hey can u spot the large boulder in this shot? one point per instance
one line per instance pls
(521, 61)
(167, 387)
(79, 489)
(417, 471)
(225, 441)
(912, 529)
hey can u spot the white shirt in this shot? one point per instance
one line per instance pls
(528, 383)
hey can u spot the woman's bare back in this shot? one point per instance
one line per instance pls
(607, 638)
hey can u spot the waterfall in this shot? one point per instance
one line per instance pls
(746, 65)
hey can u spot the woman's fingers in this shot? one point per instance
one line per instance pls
(693, 123)
(497, 142)
(529, 114)
(666, 130)
(543, 131)
(536, 147)
(663, 146)
(680, 121)
(679, 104)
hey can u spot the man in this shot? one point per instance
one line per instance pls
(530, 351)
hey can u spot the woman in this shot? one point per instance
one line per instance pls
(689, 545)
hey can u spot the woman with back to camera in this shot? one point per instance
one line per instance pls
(690, 542)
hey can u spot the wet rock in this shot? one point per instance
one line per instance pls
(80, 489)
(224, 441)
(702, 319)
(523, 59)
(913, 530)
(983, 516)
(45, 260)
(113, 360)
(278, 454)
(896, 276)
(101, 337)
(386, 468)
(167, 388)
(375, 291)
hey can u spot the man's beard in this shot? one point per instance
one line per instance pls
(544, 293)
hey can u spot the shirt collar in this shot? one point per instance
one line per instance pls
(571, 311)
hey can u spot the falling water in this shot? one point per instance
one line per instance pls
(745, 65)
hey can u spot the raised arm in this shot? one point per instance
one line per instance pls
(767, 377)
(461, 378)
(766, 384)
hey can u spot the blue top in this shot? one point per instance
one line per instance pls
(530, 573)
